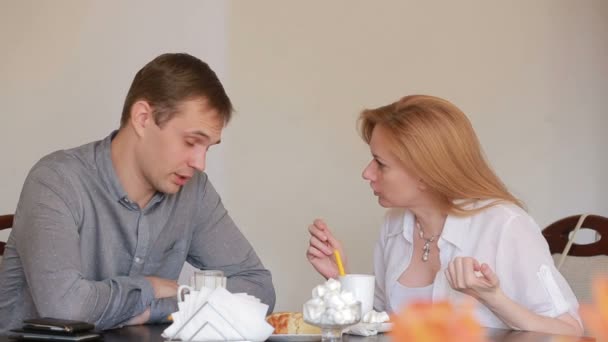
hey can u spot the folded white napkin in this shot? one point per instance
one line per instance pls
(229, 316)
(362, 329)
(372, 323)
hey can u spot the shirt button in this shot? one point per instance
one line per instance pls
(138, 260)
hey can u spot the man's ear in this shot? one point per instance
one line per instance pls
(141, 116)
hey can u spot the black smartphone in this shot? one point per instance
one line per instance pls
(50, 335)
(56, 325)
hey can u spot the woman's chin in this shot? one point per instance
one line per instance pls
(384, 203)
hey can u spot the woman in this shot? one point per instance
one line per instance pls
(454, 231)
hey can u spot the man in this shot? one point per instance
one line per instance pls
(102, 231)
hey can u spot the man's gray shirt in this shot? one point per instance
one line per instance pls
(80, 249)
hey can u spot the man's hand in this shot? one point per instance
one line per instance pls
(140, 319)
(163, 288)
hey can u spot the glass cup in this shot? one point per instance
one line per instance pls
(209, 279)
(331, 331)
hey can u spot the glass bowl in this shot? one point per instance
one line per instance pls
(330, 330)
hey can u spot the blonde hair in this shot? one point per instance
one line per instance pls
(435, 140)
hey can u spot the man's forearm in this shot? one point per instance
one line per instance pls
(107, 304)
(256, 283)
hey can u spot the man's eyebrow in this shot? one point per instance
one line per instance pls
(203, 135)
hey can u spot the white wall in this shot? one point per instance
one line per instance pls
(531, 76)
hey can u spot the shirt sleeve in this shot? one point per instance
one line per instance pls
(218, 244)
(160, 309)
(527, 272)
(48, 244)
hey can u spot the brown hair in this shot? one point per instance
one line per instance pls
(436, 141)
(172, 78)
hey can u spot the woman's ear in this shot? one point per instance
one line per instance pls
(422, 185)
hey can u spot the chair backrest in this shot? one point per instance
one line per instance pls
(557, 235)
(584, 262)
(6, 222)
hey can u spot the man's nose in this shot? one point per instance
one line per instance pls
(198, 160)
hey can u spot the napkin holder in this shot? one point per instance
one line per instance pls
(206, 323)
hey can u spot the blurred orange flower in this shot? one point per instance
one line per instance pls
(435, 322)
(595, 317)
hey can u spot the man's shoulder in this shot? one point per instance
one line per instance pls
(67, 163)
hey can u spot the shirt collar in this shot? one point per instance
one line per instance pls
(455, 230)
(408, 226)
(110, 179)
(106, 168)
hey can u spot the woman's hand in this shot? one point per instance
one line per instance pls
(321, 248)
(462, 274)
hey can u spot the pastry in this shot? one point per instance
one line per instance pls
(291, 323)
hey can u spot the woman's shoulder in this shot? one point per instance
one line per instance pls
(500, 208)
(500, 215)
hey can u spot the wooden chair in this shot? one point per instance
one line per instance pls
(584, 261)
(6, 222)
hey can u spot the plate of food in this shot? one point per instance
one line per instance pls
(290, 327)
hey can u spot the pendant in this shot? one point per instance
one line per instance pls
(425, 251)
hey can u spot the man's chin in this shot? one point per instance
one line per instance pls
(170, 189)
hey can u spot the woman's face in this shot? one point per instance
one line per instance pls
(395, 186)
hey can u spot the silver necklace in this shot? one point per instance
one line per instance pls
(427, 242)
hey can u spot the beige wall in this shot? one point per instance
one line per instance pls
(531, 76)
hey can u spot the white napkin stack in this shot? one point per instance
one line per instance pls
(371, 324)
(236, 316)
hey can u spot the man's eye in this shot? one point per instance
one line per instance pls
(190, 143)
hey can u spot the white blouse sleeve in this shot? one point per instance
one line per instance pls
(527, 272)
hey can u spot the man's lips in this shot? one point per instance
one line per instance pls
(181, 180)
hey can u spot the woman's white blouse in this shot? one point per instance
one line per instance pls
(504, 236)
(403, 295)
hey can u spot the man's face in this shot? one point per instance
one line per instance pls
(169, 156)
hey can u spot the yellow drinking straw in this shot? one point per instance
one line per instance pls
(339, 262)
